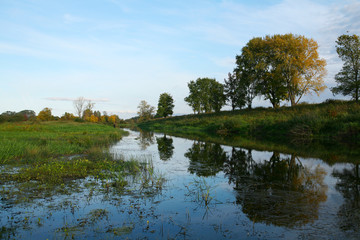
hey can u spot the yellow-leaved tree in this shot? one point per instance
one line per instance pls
(298, 63)
(45, 115)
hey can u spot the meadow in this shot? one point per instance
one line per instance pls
(40, 156)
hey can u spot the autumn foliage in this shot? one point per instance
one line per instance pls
(281, 67)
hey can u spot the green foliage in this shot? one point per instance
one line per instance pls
(206, 95)
(233, 92)
(348, 79)
(145, 112)
(24, 115)
(165, 105)
(280, 67)
(45, 115)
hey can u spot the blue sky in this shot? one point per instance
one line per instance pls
(119, 52)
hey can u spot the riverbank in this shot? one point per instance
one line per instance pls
(331, 121)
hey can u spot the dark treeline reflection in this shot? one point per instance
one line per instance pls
(349, 185)
(165, 147)
(279, 190)
(206, 159)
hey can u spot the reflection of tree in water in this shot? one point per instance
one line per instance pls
(349, 186)
(145, 139)
(165, 147)
(278, 191)
(206, 159)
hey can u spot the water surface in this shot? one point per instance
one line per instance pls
(215, 191)
(211, 191)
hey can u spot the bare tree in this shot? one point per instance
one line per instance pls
(88, 109)
(79, 105)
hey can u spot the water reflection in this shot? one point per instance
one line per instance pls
(145, 139)
(279, 190)
(206, 159)
(349, 185)
(165, 147)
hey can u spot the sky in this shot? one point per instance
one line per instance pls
(119, 52)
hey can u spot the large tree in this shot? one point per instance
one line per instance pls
(297, 61)
(165, 105)
(206, 95)
(282, 67)
(348, 79)
(257, 69)
(146, 111)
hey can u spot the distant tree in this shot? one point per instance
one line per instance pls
(146, 111)
(27, 114)
(165, 105)
(113, 119)
(97, 114)
(88, 110)
(79, 105)
(206, 95)
(45, 115)
(67, 116)
(348, 79)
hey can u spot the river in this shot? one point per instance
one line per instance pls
(203, 190)
(214, 191)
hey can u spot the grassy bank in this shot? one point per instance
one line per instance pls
(330, 121)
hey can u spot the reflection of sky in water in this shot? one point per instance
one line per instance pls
(177, 211)
(176, 170)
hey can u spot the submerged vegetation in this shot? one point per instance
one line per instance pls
(326, 122)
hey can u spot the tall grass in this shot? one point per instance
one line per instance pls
(35, 141)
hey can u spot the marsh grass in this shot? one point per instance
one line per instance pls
(201, 192)
(42, 160)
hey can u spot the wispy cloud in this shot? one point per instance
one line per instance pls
(73, 99)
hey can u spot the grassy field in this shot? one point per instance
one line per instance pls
(27, 141)
(330, 121)
(56, 152)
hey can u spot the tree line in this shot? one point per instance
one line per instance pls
(278, 68)
(84, 110)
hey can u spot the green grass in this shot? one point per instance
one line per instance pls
(28, 141)
(333, 120)
(41, 160)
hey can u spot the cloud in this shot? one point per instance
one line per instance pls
(72, 99)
